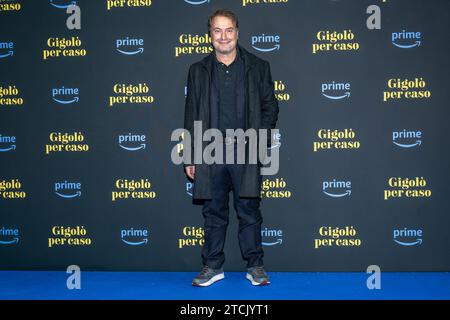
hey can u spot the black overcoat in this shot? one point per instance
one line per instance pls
(261, 113)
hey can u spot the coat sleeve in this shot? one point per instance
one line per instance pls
(269, 103)
(189, 109)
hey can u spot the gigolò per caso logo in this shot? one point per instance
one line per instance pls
(62, 47)
(11, 189)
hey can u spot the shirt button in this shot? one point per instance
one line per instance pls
(227, 71)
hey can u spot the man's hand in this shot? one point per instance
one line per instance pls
(190, 171)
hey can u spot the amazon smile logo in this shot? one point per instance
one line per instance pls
(268, 42)
(65, 95)
(138, 141)
(196, 2)
(339, 189)
(407, 139)
(7, 143)
(129, 46)
(272, 237)
(68, 190)
(9, 236)
(406, 40)
(336, 91)
(54, 3)
(408, 237)
(6, 49)
(134, 237)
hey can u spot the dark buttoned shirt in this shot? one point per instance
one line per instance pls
(226, 79)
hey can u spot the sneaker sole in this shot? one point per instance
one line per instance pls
(264, 283)
(210, 281)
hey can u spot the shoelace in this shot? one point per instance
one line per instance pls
(206, 270)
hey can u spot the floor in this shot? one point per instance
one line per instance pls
(45, 285)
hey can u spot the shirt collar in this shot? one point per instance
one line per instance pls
(236, 59)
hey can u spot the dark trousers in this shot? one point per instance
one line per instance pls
(226, 177)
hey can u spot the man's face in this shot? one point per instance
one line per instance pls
(224, 34)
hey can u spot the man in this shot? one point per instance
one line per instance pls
(229, 89)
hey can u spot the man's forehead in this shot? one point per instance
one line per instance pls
(222, 22)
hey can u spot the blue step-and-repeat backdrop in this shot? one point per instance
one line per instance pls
(90, 94)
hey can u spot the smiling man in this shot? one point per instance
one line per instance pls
(229, 89)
